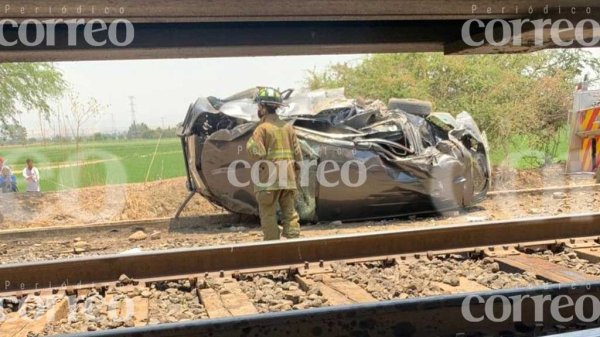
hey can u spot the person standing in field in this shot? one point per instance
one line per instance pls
(32, 177)
(274, 141)
(8, 182)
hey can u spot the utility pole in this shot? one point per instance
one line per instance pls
(133, 125)
(132, 106)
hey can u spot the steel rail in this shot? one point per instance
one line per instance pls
(97, 269)
(542, 190)
(171, 224)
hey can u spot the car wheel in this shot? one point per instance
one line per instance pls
(411, 105)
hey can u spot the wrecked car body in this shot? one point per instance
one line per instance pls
(416, 162)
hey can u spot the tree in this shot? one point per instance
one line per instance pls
(510, 96)
(142, 130)
(137, 130)
(80, 113)
(14, 134)
(27, 87)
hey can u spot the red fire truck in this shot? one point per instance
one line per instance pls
(584, 124)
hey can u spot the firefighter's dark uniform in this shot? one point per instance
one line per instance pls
(274, 141)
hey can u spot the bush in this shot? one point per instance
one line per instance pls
(510, 96)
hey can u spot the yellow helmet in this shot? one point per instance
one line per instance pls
(269, 96)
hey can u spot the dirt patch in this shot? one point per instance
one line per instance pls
(99, 204)
(505, 178)
(162, 198)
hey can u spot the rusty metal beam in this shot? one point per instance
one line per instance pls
(527, 36)
(178, 40)
(182, 29)
(281, 10)
(263, 254)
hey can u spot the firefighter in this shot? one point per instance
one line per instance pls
(275, 147)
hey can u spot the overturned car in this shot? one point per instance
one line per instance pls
(363, 160)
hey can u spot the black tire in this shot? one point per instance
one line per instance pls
(411, 105)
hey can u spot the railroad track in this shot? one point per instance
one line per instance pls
(162, 224)
(542, 190)
(206, 221)
(222, 290)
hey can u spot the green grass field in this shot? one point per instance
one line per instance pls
(101, 163)
(131, 161)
